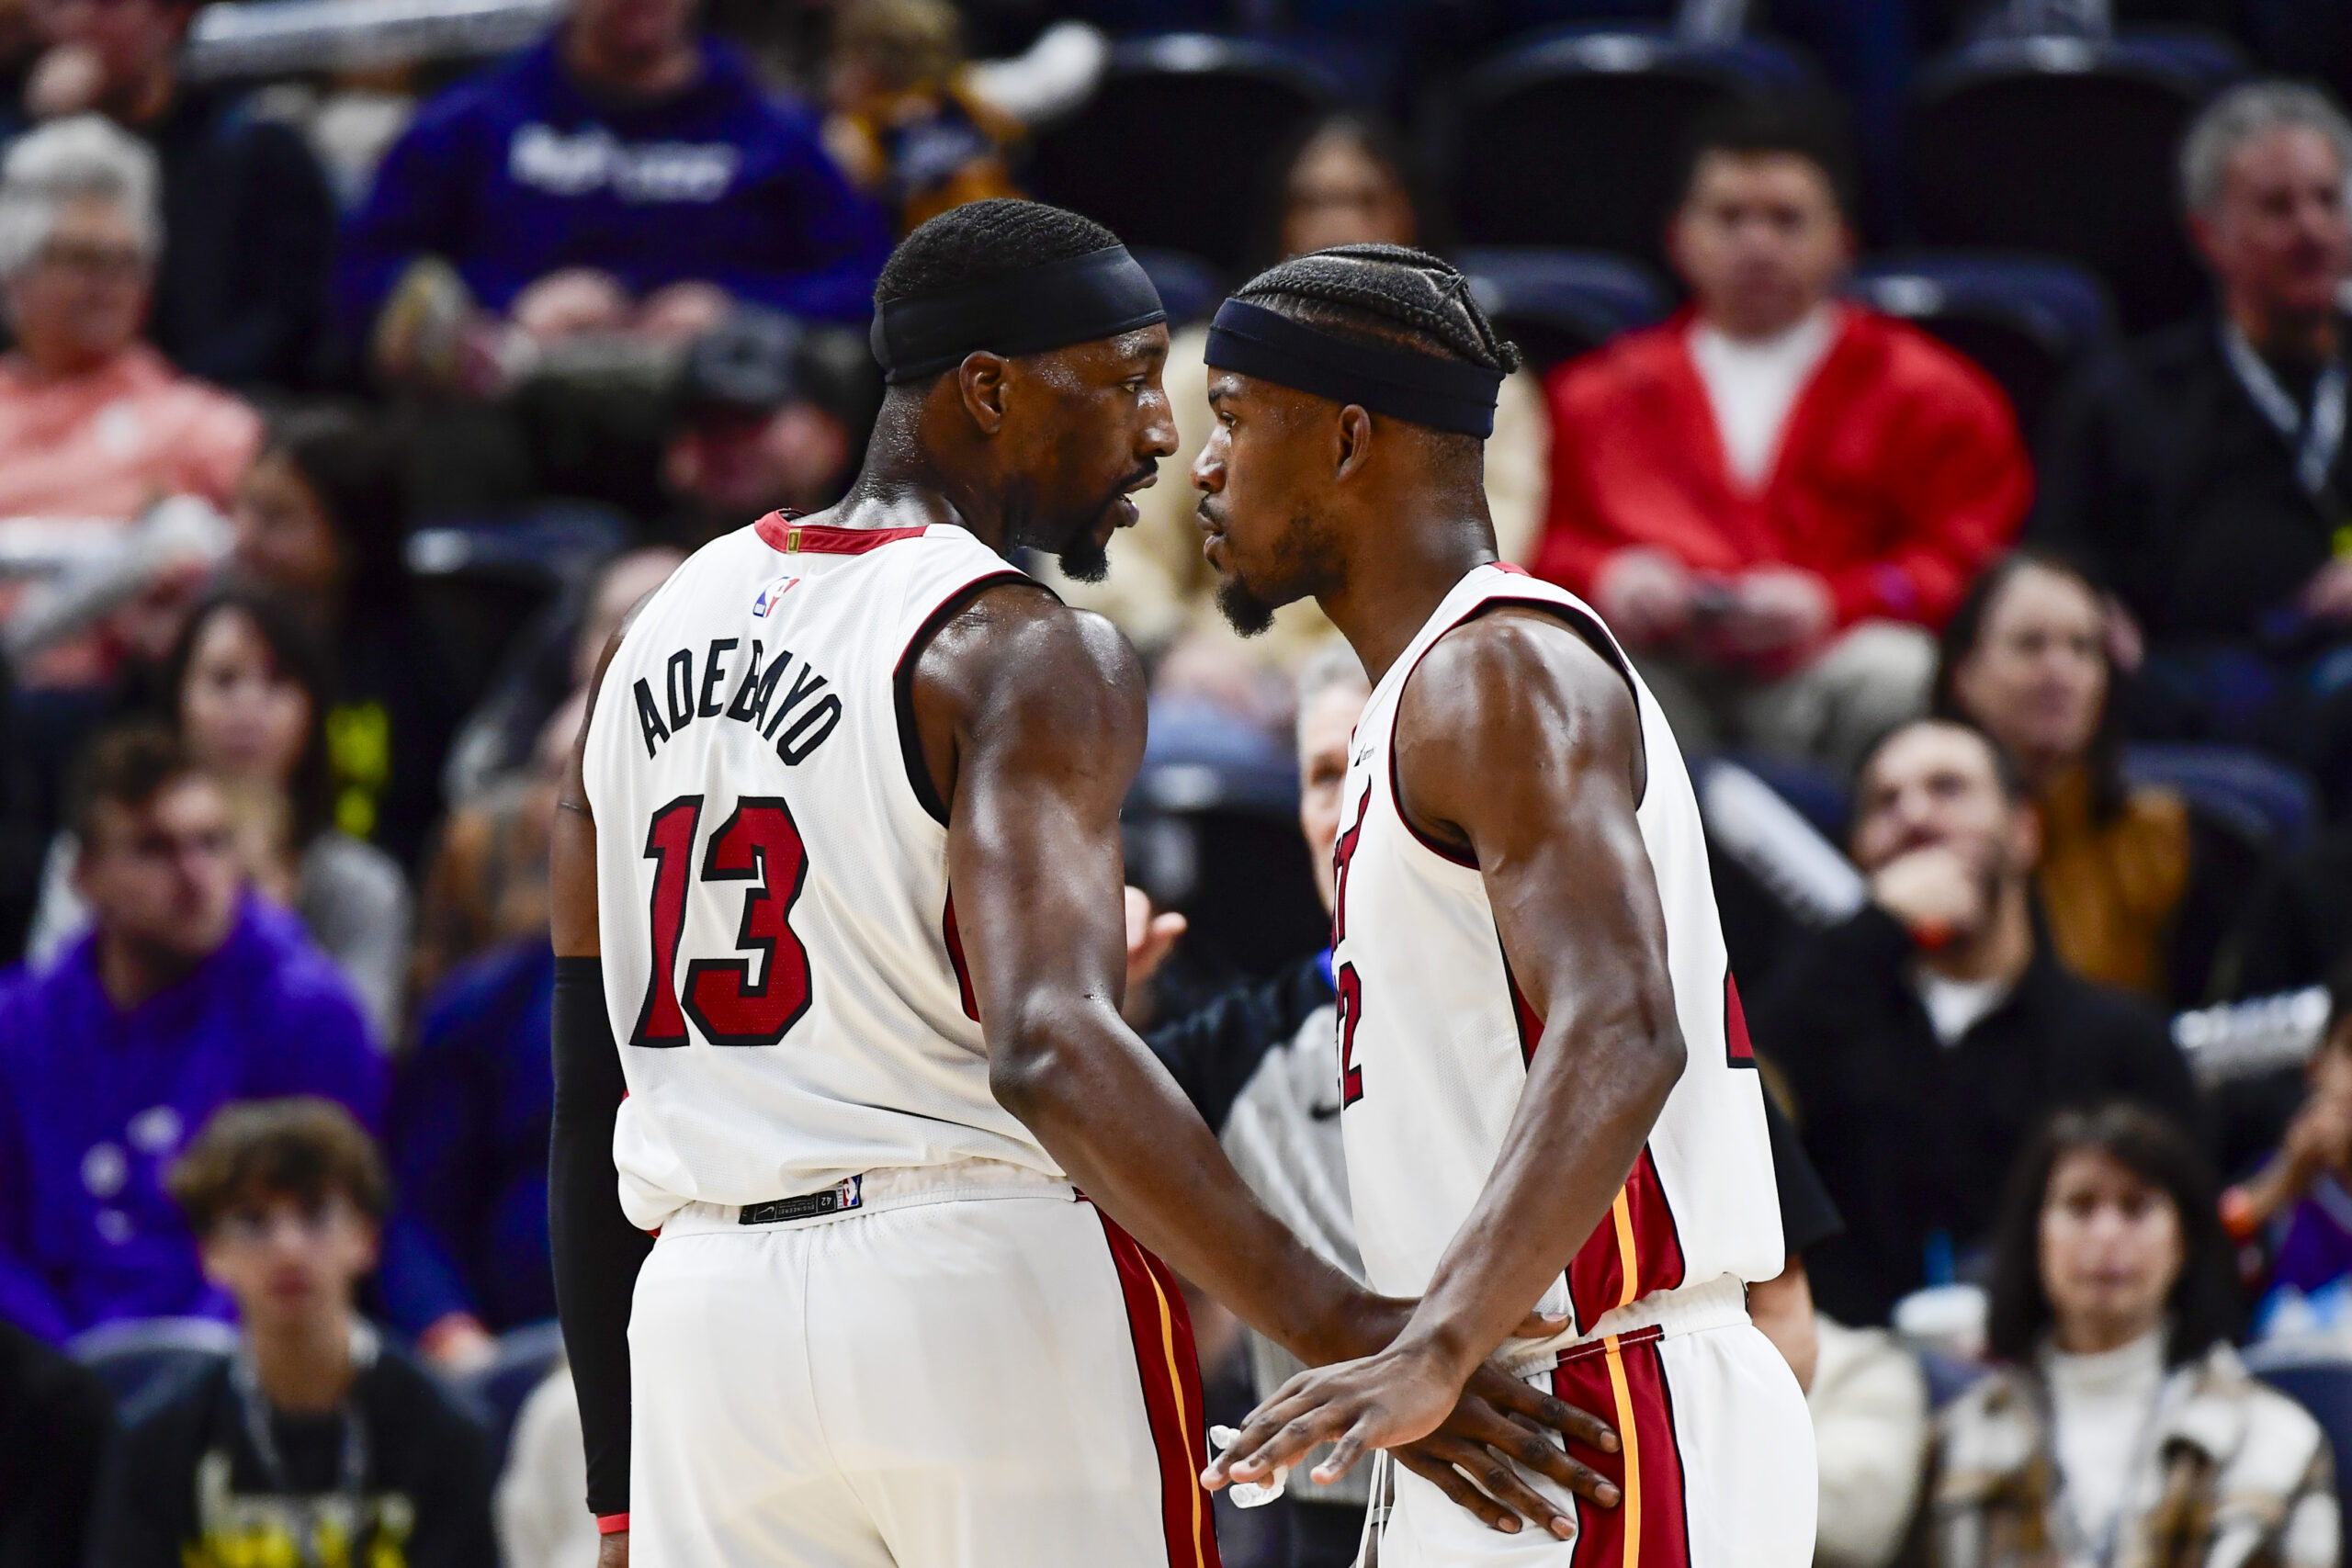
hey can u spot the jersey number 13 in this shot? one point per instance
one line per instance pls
(757, 844)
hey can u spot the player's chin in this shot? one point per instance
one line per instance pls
(1244, 609)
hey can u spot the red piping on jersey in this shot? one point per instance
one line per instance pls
(1601, 644)
(1169, 1370)
(781, 531)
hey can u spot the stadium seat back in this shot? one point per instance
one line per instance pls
(1189, 287)
(2028, 322)
(2067, 147)
(496, 1393)
(2267, 798)
(1558, 304)
(1167, 151)
(1576, 141)
(134, 1356)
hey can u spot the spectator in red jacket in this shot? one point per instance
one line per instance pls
(1776, 496)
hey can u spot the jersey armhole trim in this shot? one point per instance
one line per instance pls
(1587, 628)
(902, 683)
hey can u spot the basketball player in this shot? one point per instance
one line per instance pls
(849, 786)
(1548, 1092)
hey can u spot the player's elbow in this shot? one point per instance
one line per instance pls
(1661, 1056)
(1033, 1062)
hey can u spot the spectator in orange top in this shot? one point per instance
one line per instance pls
(94, 423)
(1774, 497)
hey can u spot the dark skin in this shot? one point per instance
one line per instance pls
(1518, 741)
(1032, 716)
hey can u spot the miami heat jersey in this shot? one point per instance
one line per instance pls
(780, 954)
(1435, 1039)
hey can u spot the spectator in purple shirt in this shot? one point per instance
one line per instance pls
(186, 994)
(629, 175)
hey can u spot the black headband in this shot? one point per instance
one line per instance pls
(1420, 389)
(1098, 294)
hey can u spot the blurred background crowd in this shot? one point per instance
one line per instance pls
(1945, 400)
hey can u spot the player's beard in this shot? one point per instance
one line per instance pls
(1250, 609)
(1084, 558)
(1243, 610)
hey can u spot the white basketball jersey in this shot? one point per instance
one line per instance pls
(1435, 1038)
(781, 959)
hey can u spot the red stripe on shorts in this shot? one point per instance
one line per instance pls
(1171, 1373)
(1622, 1379)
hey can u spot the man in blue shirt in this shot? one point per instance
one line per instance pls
(187, 994)
(628, 145)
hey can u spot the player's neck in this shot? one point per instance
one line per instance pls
(304, 1366)
(901, 486)
(1400, 573)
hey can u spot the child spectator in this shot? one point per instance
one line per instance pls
(185, 994)
(906, 126)
(2309, 1179)
(316, 1442)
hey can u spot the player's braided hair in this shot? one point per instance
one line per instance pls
(1388, 294)
(982, 240)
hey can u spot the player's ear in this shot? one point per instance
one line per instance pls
(980, 381)
(1352, 450)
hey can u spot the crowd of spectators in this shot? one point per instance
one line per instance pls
(341, 421)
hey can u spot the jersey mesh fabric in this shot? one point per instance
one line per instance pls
(773, 890)
(1436, 1038)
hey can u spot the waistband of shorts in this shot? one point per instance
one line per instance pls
(870, 1192)
(1720, 1302)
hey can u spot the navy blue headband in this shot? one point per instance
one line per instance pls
(1099, 295)
(1420, 389)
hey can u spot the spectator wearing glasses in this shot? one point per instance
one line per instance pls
(241, 290)
(315, 1442)
(2203, 473)
(1777, 496)
(93, 422)
(185, 994)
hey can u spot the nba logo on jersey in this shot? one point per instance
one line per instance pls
(771, 595)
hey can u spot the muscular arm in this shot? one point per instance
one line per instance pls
(1032, 716)
(1519, 741)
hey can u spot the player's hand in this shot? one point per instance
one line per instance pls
(612, 1551)
(1500, 1425)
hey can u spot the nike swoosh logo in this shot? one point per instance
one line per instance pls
(1324, 1113)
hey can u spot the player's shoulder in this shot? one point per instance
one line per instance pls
(1014, 645)
(1509, 647)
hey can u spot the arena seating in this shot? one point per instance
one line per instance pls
(2044, 144)
(1575, 140)
(134, 1355)
(2320, 1380)
(1189, 287)
(1558, 304)
(1166, 153)
(2027, 320)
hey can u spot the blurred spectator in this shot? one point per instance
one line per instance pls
(488, 884)
(93, 423)
(467, 1251)
(1868, 1401)
(59, 1418)
(2202, 473)
(247, 689)
(316, 1442)
(320, 521)
(1775, 496)
(2024, 657)
(2124, 1428)
(241, 290)
(185, 995)
(906, 125)
(2308, 1179)
(543, 1518)
(1924, 1038)
(2300, 926)
(772, 415)
(1346, 181)
(627, 175)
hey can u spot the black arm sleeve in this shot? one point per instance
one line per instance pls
(1213, 1052)
(597, 1252)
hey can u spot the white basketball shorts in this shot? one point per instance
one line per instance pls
(1716, 1467)
(954, 1375)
